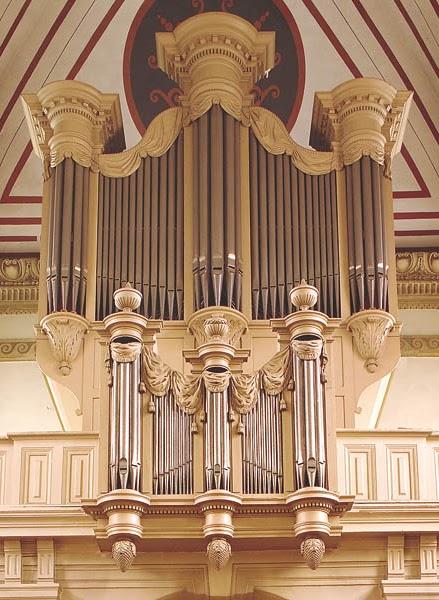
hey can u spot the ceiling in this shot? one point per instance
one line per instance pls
(397, 40)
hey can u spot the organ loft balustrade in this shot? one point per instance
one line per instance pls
(217, 297)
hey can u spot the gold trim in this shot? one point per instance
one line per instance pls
(274, 137)
(158, 138)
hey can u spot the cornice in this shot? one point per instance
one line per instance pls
(19, 280)
(417, 278)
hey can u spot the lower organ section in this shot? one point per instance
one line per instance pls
(172, 448)
(262, 452)
(294, 233)
(140, 235)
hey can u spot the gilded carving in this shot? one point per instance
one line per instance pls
(65, 332)
(370, 329)
(158, 138)
(274, 137)
(70, 119)
(361, 117)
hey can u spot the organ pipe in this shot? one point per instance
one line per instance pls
(309, 412)
(294, 233)
(217, 447)
(368, 262)
(67, 238)
(217, 259)
(172, 448)
(262, 470)
(140, 235)
(125, 416)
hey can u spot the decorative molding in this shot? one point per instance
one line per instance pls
(124, 553)
(65, 332)
(36, 475)
(274, 137)
(78, 474)
(369, 329)
(360, 471)
(417, 279)
(419, 345)
(219, 552)
(361, 117)
(217, 324)
(312, 549)
(70, 119)
(402, 469)
(158, 138)
(17, 350)
(19, 280)
(215, 58)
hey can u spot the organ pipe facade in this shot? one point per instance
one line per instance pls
(214, 238)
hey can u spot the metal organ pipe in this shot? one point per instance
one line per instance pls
(125, 416)
(309, 412)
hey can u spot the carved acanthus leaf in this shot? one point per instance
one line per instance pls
(370, 329)
(65, 332)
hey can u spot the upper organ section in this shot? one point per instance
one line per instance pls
(217, 205)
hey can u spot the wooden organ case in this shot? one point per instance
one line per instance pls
(217, 296)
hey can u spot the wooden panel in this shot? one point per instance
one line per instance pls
(78, 470)
(36, 472)
(402, 473)
(360, 468)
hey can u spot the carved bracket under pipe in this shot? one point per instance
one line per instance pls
(65, 331)
(369, 329)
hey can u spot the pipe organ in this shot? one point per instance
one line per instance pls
(202, 236)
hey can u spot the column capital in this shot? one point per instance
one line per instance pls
(216, 58)
(361, 117)
(73, 119)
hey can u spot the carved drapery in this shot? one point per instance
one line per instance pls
(187, 390)
(294, 233)
(140, 235)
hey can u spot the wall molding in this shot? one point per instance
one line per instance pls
(417, 277)
(19, 281)
(420, 345)
(13, 350)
